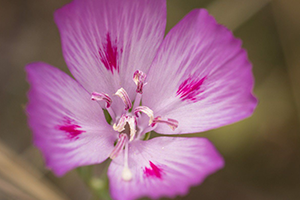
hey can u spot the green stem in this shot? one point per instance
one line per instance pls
(98, 186)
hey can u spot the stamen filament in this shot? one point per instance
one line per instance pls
(137, 100)
(144, 131)
(119, 146)
(111, 113)
(125, 98)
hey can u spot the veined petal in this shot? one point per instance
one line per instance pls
(206, 79)
(163, 166)
(105, 41)
(68, 127)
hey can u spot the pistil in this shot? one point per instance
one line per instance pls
(126, 173)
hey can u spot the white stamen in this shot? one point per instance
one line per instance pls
(125, 98)
(146, 110)
(119, 146)
(172, 123)
(102, 97)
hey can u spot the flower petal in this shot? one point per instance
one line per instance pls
(164, 166)
(105, 41)
(206, 79)
(69, 128)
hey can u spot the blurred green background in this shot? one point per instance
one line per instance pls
(261, 152)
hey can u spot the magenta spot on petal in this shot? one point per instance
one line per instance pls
(153, 171)
(190, 89)
(71, 128)
(109, 54)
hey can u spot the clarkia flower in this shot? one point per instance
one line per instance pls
(196, 78)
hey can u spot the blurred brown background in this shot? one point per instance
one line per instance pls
(261, 152)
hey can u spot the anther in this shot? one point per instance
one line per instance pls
(119, 146)
(125, 98)
(132, 124)
(172, 123)
(121, 124)
(102, 97)
(139, 78)
(146, 110)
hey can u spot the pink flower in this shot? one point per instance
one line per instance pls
(196, 78)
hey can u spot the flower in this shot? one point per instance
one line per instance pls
(196, 78)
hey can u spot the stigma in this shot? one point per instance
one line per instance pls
(126, 174)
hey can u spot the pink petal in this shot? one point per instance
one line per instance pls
(201, 77)
(105, 41)
(68, 127)
(164, 166)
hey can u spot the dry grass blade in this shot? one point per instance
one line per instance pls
(13, 192)
(23, 175)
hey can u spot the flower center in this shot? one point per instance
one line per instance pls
(135, 121)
